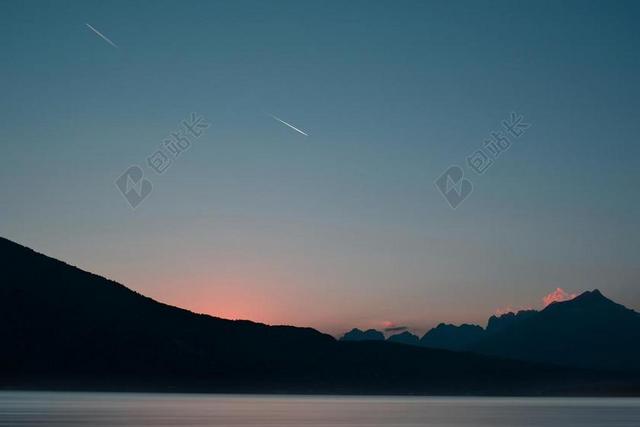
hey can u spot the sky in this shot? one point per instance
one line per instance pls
(310, 196)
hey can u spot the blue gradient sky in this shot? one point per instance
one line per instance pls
(342, 228)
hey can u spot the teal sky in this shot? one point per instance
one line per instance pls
(344, 227)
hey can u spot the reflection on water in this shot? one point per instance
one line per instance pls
(124, 409)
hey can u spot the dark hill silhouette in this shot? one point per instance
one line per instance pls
(358, 335)
(499, 323)
(589, 331)
(64, 328)
(405, 337)
(451, 337)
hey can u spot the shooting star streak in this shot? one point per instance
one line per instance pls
(105, 38)
(287, 124)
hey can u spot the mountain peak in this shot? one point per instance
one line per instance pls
(497, 323)
(594, 293)
(359, 335)
(585, 299)
(592, 296)
(452, 337)
(405, 337)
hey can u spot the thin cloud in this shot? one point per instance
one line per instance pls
(559, 295)
(105, 38)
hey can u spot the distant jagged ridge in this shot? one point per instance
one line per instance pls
(358, 335)
(450, 337)
(589, 331)
(405, 337)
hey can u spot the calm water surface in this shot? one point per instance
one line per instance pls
(123, 409)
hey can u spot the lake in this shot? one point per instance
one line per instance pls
(146, 409)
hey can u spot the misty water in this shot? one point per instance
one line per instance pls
(132, 409)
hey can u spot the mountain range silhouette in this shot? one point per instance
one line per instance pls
(64, 328)
(589, 331)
